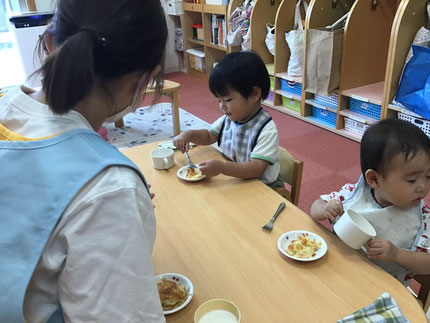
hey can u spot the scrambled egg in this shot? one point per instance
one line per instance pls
(303, 247)
(193, 173)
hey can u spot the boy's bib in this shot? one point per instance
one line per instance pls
(39, 179)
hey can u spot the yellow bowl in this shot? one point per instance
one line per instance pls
(216, 304)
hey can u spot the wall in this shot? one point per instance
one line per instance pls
(172, 62)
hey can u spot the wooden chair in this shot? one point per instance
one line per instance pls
(423, 295)
(291, 172)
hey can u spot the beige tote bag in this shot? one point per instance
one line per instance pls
(323, 58)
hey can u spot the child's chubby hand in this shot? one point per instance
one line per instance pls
(382, 249)
(211, 168)
(182, 141)
(332, 209)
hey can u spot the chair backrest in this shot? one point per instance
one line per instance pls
(424, 292)
(291, 172)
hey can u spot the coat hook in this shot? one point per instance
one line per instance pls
(272, 2)
(374, 4)
(333, 4)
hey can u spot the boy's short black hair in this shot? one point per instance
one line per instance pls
(240, 71)
(384, 140)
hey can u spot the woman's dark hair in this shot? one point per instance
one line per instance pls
(240, 71)
(100, 41)
(386, 139)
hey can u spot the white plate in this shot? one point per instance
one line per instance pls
(285, 239)
(181, 279)
(182, 174)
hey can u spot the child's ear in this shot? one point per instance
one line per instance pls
(255, 94)
(372, 177)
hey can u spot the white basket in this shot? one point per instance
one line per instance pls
(355, 126)
(424, 125)
(332, 99)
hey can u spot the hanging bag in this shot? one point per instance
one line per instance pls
(414, 88)
(422, 37)
(323, 57)
(295, 41)
(270, 38)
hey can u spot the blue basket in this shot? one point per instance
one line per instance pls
(292, 87)
(326, 115)
(365, 108)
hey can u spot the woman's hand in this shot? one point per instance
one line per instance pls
(382, 249)
(211, 168)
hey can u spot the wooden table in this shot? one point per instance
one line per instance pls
(210, 231)
(170, 89)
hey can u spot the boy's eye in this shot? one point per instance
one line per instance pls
(411, 181)
(227, 100)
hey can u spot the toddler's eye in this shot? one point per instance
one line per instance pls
(228, 100)
(412, 181)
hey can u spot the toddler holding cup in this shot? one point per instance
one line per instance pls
(395, 165)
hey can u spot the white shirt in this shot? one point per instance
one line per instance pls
(97, 262)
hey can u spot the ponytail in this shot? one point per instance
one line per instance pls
(68, 72)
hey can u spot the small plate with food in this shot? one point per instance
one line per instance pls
(302, 245)
(190, 174)
(175, 291)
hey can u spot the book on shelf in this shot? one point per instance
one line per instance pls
(218, 30)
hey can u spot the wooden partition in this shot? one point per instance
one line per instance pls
(232, 5)
(263, 12)
(410, 17)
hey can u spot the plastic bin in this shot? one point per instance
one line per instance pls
(325, 115)
(292, 87)
(423, 124)
(198, 32)
(272, 82)
(291, 103)
(365, 108)
(270, 96)
(174, 7)
(355, 126)
(197, 59)
(332, 99)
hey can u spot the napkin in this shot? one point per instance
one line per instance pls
(383, 309)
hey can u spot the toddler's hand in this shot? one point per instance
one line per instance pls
(332, 209)
(182, 141)
(211, 168)
(381, 249)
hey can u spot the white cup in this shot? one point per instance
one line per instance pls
(162, 158)
(354, 230)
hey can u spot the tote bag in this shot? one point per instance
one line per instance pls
(414, 87)
(323, 58)
(295, 41)
(270, 38)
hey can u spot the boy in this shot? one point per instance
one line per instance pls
(395, 165)
(246, 133)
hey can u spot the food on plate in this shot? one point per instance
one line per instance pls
(193, 173)
(303, 247)
(172, 294)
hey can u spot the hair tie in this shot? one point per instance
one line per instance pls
(94, 33)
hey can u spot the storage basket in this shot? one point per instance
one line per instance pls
(423, 124)
(197, 59)
(355, 126)
(326, 115)
(331, 99)
(365, 108)
(292, 87)
(272, 82)
(270, 96)
(291, 104)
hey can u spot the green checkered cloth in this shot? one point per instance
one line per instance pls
(384, 309)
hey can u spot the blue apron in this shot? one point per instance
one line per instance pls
(38, 179)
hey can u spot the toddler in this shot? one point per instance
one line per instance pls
(395, 165)
(246, 132)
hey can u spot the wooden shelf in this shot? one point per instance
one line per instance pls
(282, 109)
(358, 117)
(371, 93)
(349, 134)
(325, 106)
(215, 9)
(195, 7)
(196, 41)
(285, 76)
(289, 95)
(218, 47)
